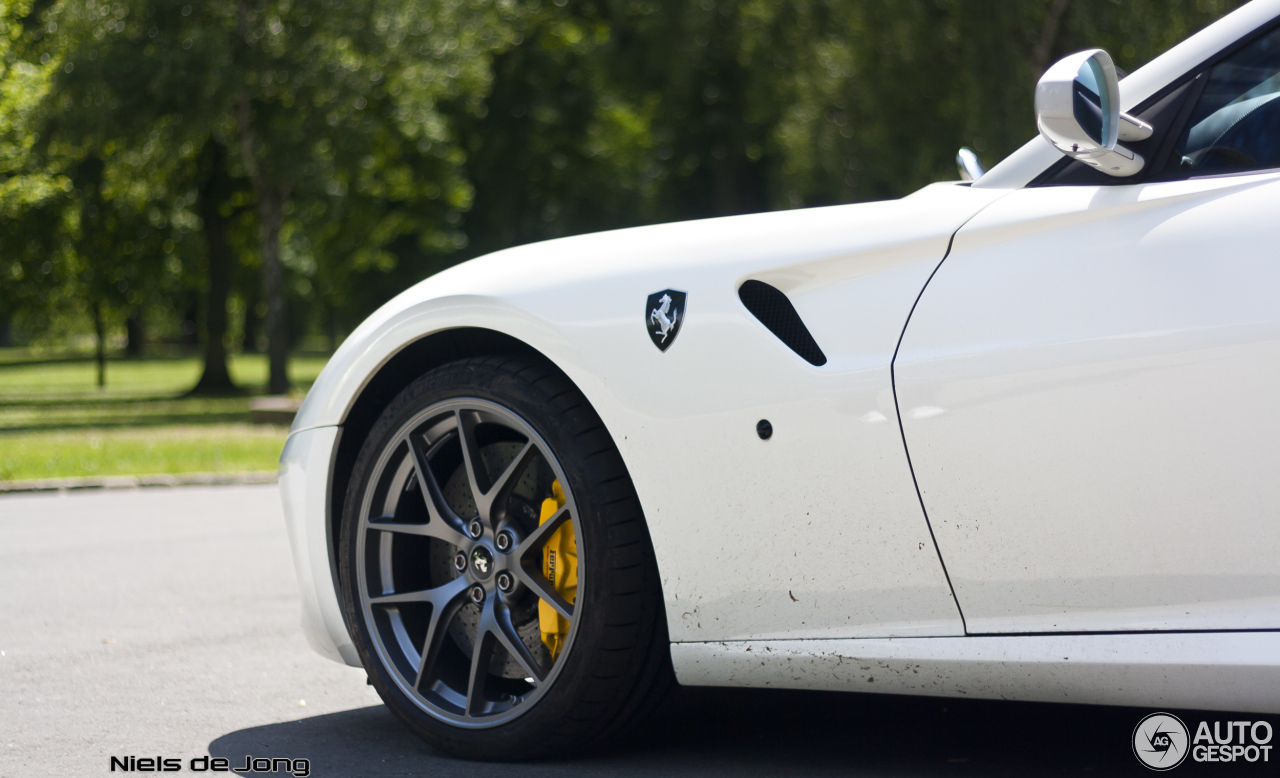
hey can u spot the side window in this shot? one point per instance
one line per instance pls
(1235, 124)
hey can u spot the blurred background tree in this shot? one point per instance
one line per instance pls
(229, 173)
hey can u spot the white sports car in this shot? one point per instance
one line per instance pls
(1017, 437)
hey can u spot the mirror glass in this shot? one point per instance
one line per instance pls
(1090, 102)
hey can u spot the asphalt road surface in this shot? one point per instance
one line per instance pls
(164, 622)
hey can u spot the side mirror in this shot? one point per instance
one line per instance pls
(1078, 111)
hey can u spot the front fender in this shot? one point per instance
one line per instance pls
(832, 487)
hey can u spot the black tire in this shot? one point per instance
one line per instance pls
(615, 666)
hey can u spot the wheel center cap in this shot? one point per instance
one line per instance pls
(482, 562)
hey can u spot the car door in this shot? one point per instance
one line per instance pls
(1089, 386)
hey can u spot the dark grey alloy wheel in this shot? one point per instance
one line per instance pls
(478, 532)
(469, 475)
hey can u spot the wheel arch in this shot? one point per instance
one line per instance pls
(416, 358)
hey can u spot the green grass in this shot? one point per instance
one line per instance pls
(213, 448)
(55, 423)
(78, 377)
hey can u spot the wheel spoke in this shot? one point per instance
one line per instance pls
(433, 529)
(543, 588)
(400, 598)
(443, 608)
(481, 658)
(391, 502)
(502, 486)
(510, 640)
(447, 525)
(529, 558)
(539, 536)
(477, 476)
(438, 597)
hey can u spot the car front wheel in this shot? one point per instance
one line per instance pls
(496, 571)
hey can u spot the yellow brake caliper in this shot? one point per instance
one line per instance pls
(560, 566)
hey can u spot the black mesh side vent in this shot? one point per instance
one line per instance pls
(775, 311)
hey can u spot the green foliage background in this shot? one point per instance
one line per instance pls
(360, 145)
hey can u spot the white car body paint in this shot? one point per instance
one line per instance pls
(1102, 366)
(305, 470)
(834, 561)
(1216, 670)
(847, 516)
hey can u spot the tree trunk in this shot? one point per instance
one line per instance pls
(1049, 35)
(100, 349)
(214, 188)
(270, 217)
(135, 334)
(252, 321)
(190, 333)
(272, 196)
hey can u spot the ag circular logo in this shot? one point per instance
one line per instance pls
(1160, 741)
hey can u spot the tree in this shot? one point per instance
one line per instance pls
(89, 229)
(341, 149)
(310, 100)
(331, 97)
(905, 83)
(214, 189)
(775, 105)
(559, 146)
(31, 191)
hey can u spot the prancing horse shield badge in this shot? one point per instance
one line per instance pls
(664, 313)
